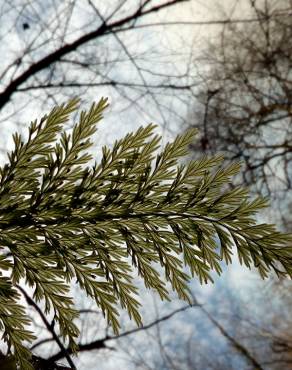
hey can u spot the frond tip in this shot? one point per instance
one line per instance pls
(136, 210)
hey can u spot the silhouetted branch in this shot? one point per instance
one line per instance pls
(49, 327)
(101, 343)
(56, 55)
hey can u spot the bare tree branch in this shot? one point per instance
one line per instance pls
(101, 343)
(49, 327)
(56, 55)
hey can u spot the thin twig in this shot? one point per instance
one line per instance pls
(50, 328)
(101, 343)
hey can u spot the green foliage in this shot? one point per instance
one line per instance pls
(136, 211)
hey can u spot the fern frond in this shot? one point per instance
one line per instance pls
(136, 211)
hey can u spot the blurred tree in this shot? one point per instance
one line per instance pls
(243, 110)
(245, 98)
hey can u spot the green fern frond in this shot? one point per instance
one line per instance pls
(135, 211)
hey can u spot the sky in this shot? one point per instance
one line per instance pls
(235, 277)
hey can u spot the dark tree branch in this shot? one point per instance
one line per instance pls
(101, 343)
(49, 327)
(55, 56)
(105, 83)
(215, 22)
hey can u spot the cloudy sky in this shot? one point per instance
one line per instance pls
(193, 38)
